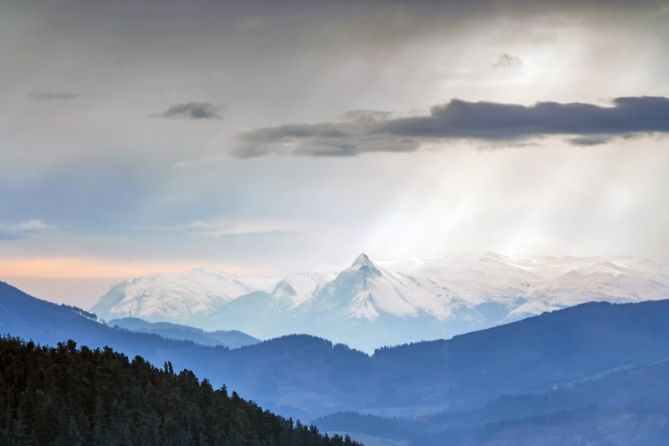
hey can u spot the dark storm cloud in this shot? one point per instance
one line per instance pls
(193, 110)
(495, 122)
(489, 120)
(589, 140)
(51, 96)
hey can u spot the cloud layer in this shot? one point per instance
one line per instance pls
(23, 229)
(588, 124)
(193, 110)
(507, 61)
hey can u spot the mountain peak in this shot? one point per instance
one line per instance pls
(362, 260)
(364, 264)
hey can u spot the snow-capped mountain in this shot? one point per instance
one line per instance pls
(368, 305)
(170, 297)
(367, 291)
(299, 288)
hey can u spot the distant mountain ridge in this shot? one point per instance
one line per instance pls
(368, 305)
(230, 339)
(624, 407)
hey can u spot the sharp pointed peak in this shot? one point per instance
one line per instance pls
(362, 260)
(284, 288)
(363, 264)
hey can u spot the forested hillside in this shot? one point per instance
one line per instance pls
(69, 396)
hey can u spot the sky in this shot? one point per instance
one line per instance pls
(266, 137)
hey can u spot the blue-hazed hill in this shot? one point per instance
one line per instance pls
(168, 330)
(307, 377)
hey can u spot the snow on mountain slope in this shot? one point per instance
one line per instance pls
(365, 291)
(526, 285)
(169, 297)
(300, 287)
(551, 281)
(368, 305)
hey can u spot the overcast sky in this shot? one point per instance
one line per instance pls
(264, 137)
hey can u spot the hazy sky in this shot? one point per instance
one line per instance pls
(264, 137)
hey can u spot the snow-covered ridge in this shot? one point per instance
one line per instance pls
(369, 304)
(171, 297)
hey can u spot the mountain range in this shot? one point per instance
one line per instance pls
(308, 377)
(369, 305)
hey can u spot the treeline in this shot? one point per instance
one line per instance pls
(69, 396)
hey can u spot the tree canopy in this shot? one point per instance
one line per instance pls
(69, 396)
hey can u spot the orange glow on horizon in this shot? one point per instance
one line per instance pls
(98, 268)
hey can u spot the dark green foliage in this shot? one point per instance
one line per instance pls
(70, 397)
